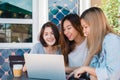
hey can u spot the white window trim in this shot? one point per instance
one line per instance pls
(40, 16)
(84, 4)
(43, 12)
(35, 30)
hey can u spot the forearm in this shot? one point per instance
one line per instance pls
(70, 69)
(90, 70)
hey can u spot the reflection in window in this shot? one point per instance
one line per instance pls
(18, 33)
(16, 9)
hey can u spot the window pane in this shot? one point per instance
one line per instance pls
(60, 8)
(16, 9)
(18, 33)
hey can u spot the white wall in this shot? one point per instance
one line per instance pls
(84, 4)
(43, 12)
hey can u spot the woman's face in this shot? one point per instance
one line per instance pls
(70, 32)
(48, 36)
(86, 28)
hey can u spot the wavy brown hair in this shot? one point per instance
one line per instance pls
(66, 45)
(55, 32)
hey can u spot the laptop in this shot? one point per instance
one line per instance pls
(45, 66)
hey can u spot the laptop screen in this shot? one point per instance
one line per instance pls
(45, 66)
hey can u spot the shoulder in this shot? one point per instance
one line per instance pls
(37, 48)
(38, 45)
(110, 37)
(111, 43)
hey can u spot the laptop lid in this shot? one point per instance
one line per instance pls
(45, 66)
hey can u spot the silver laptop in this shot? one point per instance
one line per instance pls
(45, 66)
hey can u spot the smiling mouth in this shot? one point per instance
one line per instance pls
(50, 40)
(68, 37)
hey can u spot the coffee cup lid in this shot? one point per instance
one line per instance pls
(17, 66)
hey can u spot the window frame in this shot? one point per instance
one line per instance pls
(34, 21)
(39, 7)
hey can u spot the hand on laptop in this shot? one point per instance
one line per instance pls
(70, 75)
(24, 68)
(69, 69)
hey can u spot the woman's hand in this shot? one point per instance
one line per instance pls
(93, 78)
(24, 68)
(67, 69)
(84, 69)
(70, 75)
(79, 71)
(70, 69)
(76, 73)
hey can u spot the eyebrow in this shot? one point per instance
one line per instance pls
(68, 26)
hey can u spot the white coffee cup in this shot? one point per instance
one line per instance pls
(17, 70)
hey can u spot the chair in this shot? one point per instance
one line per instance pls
(16, 59)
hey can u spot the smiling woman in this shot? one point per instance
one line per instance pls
(73, 43)
(102, 44)
(48, 41)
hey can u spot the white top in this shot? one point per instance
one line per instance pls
(77, 57)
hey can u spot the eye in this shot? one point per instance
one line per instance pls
(85, 26)
(46, 34)
(69, 27)
(52, 33)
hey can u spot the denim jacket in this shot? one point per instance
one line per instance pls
(107, 62)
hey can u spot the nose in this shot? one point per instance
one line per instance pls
(65, 32)
(49, 36)
(83, 30)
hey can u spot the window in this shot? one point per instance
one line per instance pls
(18, 23)
(15, 33)
(60, 8)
